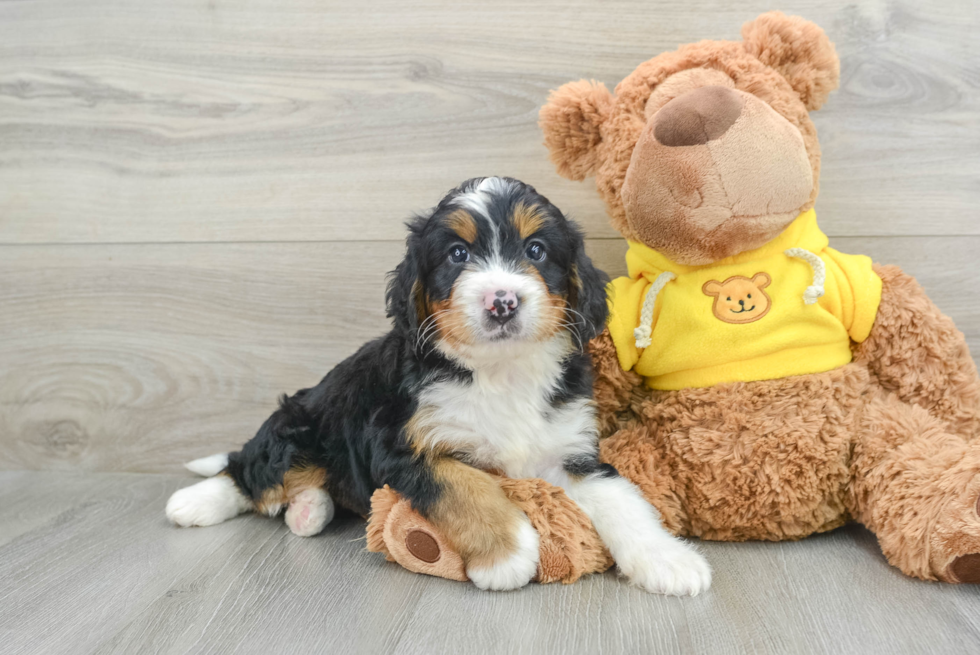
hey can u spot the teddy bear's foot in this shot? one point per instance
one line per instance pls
(965, 567)
(917, 487)
(401, 533)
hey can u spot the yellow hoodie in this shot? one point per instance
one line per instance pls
(791, 307)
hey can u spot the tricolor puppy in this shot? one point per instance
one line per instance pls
(485, 368)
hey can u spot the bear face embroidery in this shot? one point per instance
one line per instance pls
(739, 299)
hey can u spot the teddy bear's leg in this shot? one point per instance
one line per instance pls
(917, 487)
(916, 352)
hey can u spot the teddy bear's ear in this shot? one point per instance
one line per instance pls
(711, 288)
(799, 50)
(571, 121)
(761, 280)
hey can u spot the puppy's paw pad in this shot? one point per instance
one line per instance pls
(674, 572)
(514, 571)
(309, 512)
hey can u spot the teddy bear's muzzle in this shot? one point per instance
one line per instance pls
(715, 172)
(697, 117)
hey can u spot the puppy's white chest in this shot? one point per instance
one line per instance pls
(507, 422)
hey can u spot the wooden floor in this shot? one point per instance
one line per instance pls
(90, 565)
(199, 200)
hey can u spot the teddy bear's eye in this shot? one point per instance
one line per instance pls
(729, 298)
(750, 295)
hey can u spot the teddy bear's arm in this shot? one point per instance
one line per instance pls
(612, 385)
(917, 352)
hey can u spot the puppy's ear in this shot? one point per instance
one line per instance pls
(571, 121)
(405, 298)
(587, 291)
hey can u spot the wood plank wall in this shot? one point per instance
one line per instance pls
(199, 199)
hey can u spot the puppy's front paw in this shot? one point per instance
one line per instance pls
(513, 571)
(675, 571)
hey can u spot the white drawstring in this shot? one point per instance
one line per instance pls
(815, 290)
(642, 334)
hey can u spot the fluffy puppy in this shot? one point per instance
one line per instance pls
(484, 369)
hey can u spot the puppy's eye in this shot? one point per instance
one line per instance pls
(536, 251)
(459, 254)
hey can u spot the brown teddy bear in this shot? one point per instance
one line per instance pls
(754, 382)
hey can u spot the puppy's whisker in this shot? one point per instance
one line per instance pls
(571, 328)
(428, 328)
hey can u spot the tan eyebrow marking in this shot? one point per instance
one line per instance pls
(462, 223)
(527, 219)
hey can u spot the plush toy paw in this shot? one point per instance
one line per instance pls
(558, 544)
(957, 539)
(675, 571)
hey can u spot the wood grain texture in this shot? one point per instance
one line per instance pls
(205, 120)
(138, 357)
(106, 573)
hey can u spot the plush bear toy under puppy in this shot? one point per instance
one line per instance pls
(753, 382)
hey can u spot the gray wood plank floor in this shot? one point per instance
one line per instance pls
(89, 564)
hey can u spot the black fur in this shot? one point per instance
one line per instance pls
(583, 465)
(575, 381)
(353, 422)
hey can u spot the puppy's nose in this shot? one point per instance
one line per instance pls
(697, 117)
(501, 304)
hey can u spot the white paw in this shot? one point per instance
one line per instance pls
(309, 512)
(516, 570)
(208, 502)
(677, 570)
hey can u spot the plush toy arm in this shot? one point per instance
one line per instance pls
(612, 387)
(917, 352)
(570, 546)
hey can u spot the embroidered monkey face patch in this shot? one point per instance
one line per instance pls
(739, 299)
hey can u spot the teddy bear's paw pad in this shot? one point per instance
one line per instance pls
(415, 543)
(675, 572)
(965, 569)
(423, 546)
(309, 512)
(513, 571)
